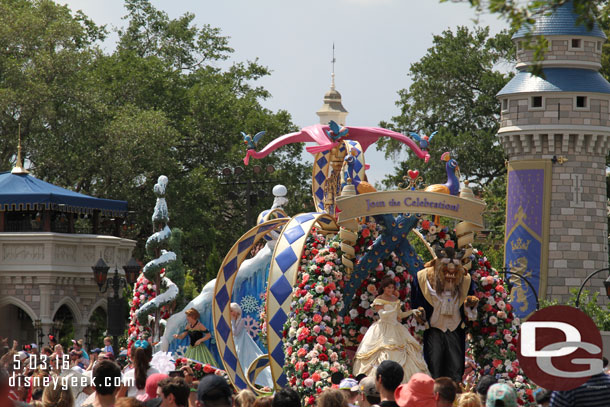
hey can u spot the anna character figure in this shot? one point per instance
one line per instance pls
(197, 334)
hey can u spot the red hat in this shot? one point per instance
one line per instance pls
(419, 392)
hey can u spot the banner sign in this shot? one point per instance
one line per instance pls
(409, 201)
(528, 207)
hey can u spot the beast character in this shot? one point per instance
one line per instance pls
(444, 289)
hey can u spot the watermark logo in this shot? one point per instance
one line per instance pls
(560, 348)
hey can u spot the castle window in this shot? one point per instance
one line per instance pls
(582, 102)
(536, 102)
(576, 43)
(504, 104)
(599, 45)
(519, 45)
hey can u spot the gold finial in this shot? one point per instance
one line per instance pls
(18, 169)
(559, 160)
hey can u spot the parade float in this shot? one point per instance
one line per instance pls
(306, 295)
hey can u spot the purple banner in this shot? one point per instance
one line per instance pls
(526, 191)
(526, 244)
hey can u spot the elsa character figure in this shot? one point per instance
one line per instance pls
(388, 339)
(247, 349)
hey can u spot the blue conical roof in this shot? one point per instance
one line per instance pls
(557, 80)
(562, 21)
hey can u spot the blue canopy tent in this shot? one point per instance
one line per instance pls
(22, 193)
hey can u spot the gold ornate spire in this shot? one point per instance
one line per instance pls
(332, 109)
(18, 168)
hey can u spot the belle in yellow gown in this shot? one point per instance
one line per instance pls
(388, 339)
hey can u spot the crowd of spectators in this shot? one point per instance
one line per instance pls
(54, 377)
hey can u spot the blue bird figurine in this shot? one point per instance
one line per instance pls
(336, 132)
(251, 142)
(424, 141)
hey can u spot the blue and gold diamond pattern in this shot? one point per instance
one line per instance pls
(268, 214)
(222, 296)
(354, 147)
(320, 172)
(282, 277)
(321, 169)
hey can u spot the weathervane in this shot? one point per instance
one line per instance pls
(334, 59)
(332, 84)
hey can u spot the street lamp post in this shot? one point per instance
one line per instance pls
(56, 329)
(606, 284)
(39, 333)
(250, 194)
(506, 272)
(88, 338)
(115, 312)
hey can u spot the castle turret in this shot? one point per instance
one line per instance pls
(332, 109)
(556, 130)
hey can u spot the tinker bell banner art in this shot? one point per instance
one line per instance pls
(408, 201)
(528, 208)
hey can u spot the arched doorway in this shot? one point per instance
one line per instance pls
(63, 326)
(17, 325)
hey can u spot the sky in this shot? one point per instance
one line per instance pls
(376, 41)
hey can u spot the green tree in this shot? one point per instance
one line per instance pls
(453, 92)
(108, 124)
(520, 14)
(43, 50)
(588, 304)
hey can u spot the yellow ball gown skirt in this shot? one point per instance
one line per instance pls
(388, 339)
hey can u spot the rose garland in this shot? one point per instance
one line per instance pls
(313, 333)
(262, 317)
(143, 291)
(362, 315)
(199, 369)
(495, 333)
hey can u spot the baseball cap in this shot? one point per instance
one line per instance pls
(96, 350)
(368, 388)
(349, 384)
(34, 346)
(419, 392)
(213, 387)
(503, 392)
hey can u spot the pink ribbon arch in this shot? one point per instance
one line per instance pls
(317, 134)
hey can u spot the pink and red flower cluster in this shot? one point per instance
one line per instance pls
(313, 333)
(199, 369)
(362, 315)
(143, 291)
